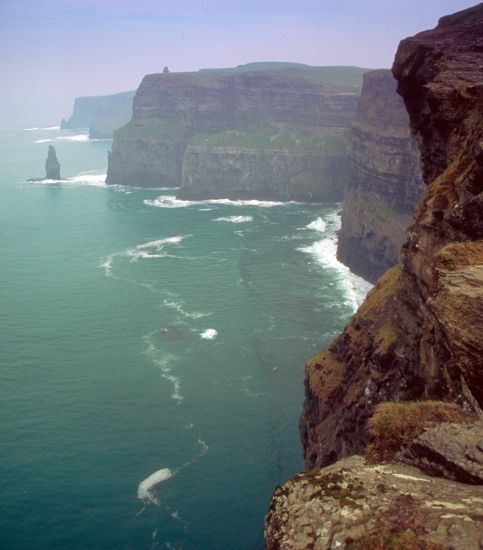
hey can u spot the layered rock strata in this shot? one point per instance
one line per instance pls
(418, 334)
(277, 166)
(179, 121)
(101, 114)
(385, 182)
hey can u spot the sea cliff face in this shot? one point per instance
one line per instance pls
(180, 122)
(417, 336)
(385, 183)
(273, 166)
(101, 114)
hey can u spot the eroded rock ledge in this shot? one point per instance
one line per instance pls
(363, 506)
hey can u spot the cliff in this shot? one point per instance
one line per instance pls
(262, 165)
(416, 337)
(184, 125)
(101, 114)
(418, 334)
(385, 183)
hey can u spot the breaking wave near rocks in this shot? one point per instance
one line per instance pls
(324, 252)
(90, 179)
(170, 201)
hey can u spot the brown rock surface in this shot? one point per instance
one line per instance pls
(385, 183)
(359, 506)
(418, 334)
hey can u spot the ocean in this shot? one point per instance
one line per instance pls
(151, 353)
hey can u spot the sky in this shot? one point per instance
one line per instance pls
(52, 51)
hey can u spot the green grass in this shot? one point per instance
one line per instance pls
(264, 140)
(394, 425)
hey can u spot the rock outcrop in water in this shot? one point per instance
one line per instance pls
(385, 182)
(259, 134)
(101, 114)
(417, 335)
(52, 165)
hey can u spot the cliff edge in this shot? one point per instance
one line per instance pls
(417, 336)
(260, 134)
(385, 183)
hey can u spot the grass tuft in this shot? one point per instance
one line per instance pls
(394, 425)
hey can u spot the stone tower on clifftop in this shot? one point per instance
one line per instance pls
(52, 165)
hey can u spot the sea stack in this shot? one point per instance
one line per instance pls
(52, 165)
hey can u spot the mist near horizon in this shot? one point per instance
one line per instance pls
(54, 51)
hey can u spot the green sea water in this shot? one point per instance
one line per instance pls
(151, 353)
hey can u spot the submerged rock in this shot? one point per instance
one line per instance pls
(360, 506)
(52, 165)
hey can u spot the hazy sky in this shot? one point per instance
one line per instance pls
(54, 50)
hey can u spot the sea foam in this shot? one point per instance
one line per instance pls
(235, 219)
(177, 306)
(209, 334)
(78, 137)
(170, 201)
(145, 488)
(325, 253)
(89, 179)
(318, 225)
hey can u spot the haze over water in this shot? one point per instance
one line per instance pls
(152, 353)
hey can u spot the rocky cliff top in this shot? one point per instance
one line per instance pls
(441, 80)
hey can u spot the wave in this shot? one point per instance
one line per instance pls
(167, 240)
(84, 178)
(179, 308)
(325, 253)
(36, 128)
(145, 488)
(209, 334)
(318, 225)
(170, 201)
(78, 137)
(235, 219)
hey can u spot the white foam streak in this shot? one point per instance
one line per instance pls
(170, 201)
(318, 225)
(209, 334)
(179, 308)
(325, 253)
(168, 240)
(145, 488)
(84, 179)
(36, 128)
(78, 138)
(235, 219)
